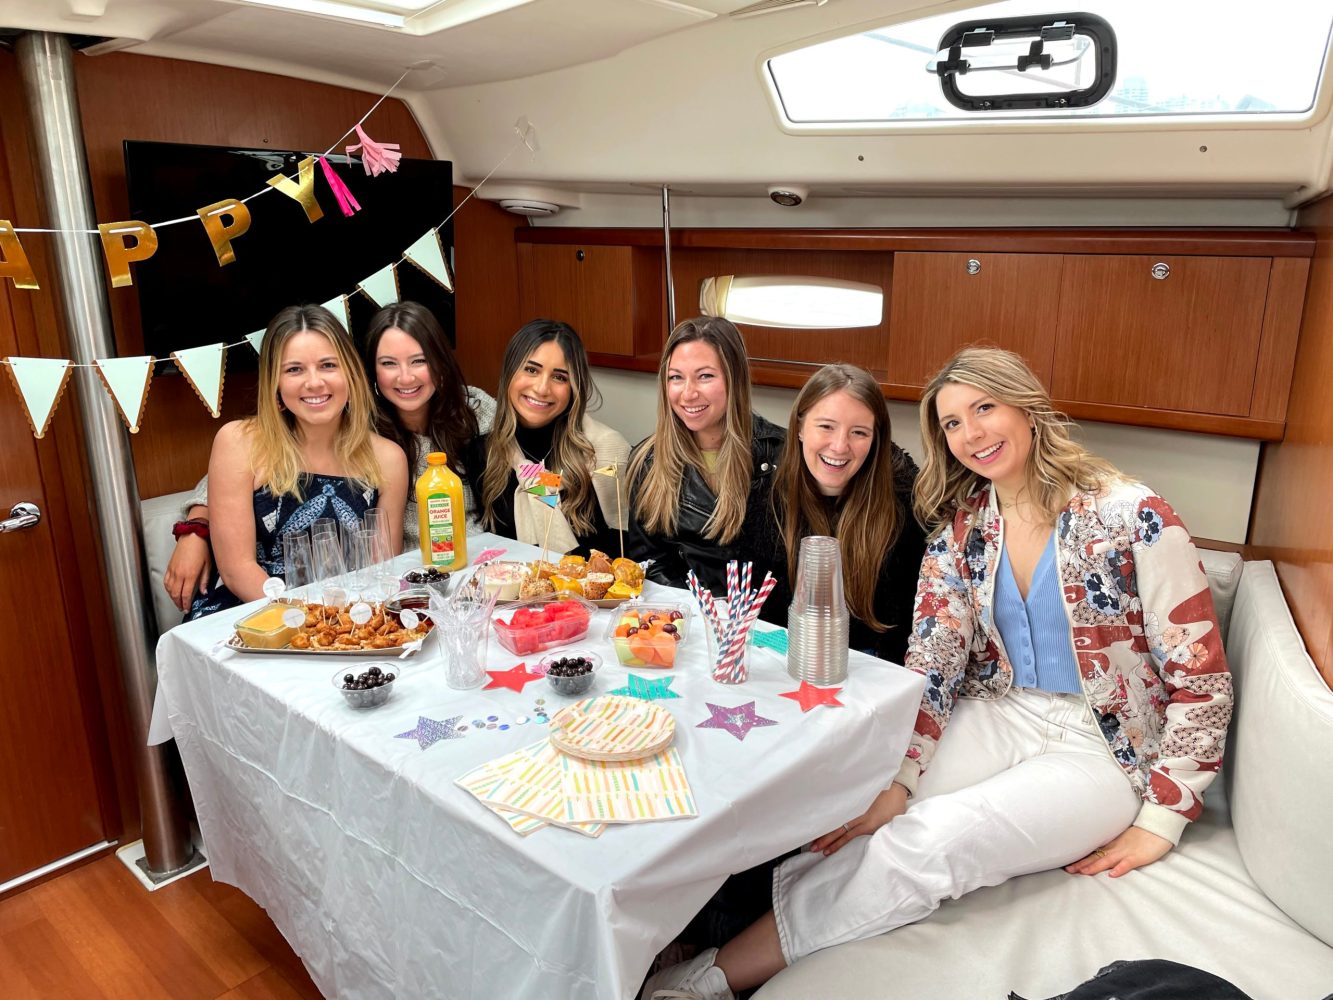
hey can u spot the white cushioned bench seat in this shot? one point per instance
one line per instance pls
(1267, 927)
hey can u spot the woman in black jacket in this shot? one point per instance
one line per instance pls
(840, 474)
(700, 483)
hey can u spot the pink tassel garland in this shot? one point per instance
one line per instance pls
(346, 200)
(376, 157)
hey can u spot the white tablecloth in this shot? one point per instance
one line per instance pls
(391, 881)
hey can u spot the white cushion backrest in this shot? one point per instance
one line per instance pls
(159, 514)
(1277, 767)
(1223, 570)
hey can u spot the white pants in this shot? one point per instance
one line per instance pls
(1018, 785)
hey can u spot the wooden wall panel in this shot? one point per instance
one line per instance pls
(1290, 521)
(124, 96)
(486, 286)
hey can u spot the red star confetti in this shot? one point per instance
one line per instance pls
(514, 678)
(810, 696)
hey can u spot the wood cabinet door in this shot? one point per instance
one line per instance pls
(1188, 341)
(589, 287)
(49, 804)
(941, 303)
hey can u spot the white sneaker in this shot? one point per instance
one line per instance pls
(697, 979)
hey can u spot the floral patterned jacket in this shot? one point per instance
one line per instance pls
(1142, 624)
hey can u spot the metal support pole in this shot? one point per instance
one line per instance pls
(666, 244)
(46, 65)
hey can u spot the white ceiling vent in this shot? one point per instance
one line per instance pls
(529, 207)
(773, 7)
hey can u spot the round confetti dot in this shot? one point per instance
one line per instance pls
(479, 722)
(461, 729)
(504, 725)
(541, 701)
(490, 725)
(492, 718)
(522, 720)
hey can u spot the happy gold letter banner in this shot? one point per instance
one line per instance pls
(13, 261)
(222, 233)
(427, 254)
(127, 380)
(40, 382)
(202, 368)
(118, 255)
(302, 189)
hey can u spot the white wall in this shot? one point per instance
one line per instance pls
(1208, 479)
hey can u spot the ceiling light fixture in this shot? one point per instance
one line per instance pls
(792, 302)
(330, 8)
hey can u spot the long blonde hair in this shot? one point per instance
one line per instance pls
(572, 453)
(672, 447)
(1057, 465)
(869, 518)
(275, 446)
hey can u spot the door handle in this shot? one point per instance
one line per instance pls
(21, 515)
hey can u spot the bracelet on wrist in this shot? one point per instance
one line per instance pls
(194, 526)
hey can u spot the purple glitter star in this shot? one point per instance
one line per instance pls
(431, 731)
(738, 721)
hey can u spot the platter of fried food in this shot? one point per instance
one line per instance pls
(329, 630)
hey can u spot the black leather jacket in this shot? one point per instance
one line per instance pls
(688, 548)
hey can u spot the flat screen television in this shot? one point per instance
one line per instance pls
(187, 300)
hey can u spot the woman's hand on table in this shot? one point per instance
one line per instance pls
(888, 804)
(188, 570)
(1134, 848)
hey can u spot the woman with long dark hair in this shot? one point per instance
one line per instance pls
(541, 418)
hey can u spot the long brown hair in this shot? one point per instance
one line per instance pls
(868, 517)
(275, 448)
(673, 448)
(571, 452)
(1057, 466)
(451, 423)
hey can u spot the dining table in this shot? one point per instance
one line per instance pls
(390, 880)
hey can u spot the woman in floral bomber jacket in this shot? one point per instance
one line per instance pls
(1069, 644)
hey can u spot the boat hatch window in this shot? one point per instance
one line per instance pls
(1186, 58)
(792, 302)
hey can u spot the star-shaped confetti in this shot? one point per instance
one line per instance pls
(432, 731)
(648, 690)
(809, 696)
(738, 721)
(514, 678)
(776, 640)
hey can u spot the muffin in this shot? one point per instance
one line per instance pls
(595, 585)
(628, 572)
(542, 570)
(599, 562)
(535, 587)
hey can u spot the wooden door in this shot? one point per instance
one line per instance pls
(49, 805)
(1185, 341)
(589, 287)
(945, 301)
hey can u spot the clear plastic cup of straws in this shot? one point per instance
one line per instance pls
(729, 664)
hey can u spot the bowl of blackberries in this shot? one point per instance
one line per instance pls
(368, 687)
(570, 672)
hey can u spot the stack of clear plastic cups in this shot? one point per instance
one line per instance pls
(817, 621)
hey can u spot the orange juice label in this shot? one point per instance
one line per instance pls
(440, 518)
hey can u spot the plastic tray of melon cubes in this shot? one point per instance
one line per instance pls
(541, 624)
(648, 635)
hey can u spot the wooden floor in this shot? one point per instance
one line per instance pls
(96, 932)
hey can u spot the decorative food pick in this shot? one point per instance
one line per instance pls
(738, 721)
(613, 472)
(540, 482)
(514, 678)
(431, 731)
(648, 690)
(810, 696)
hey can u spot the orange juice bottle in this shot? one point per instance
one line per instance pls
(441, 516)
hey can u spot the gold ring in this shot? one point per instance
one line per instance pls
(846, 829)
(1100, 853)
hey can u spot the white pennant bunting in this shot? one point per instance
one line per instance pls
(127, 380)
(338, 306)
(202, 368)
(382, 286)
(427, 253)
(256, 339)
(40, 382)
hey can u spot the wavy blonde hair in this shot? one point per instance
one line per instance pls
(275, 443)
(672, 447)
(1057, 465)
(572, 453)
(868, 518)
